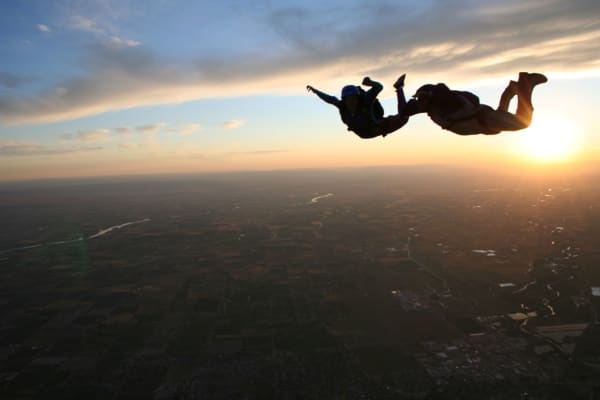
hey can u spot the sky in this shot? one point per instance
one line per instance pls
(94, 88)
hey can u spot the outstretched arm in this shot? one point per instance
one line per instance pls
(324, 96)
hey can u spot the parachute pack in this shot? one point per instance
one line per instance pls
(376, 107)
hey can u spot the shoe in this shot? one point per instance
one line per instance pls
(536, 79)
(400, 82)
(528, 81)
(532, 78)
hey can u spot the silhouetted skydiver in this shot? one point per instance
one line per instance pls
(361, 111)
(461, 113)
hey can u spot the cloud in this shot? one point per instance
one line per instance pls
(92, 135)
(44, 28)
(189, 129)
(85, 24)
(150, 128)
(9, 80)
(129, 145)
(124, 131)
(19, 149)
(119, 42)
(326, 46)
(81, 23)
(234, 123)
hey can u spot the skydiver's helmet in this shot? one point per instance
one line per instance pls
(424, 92)
(350, 90)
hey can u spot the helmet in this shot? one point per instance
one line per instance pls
(350, 90)
(424, 92)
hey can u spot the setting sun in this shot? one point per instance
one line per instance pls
(550, 138)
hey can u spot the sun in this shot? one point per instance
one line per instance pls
(550, 138)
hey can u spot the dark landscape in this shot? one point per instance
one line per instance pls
(382, 283)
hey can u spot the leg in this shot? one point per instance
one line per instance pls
(399, 86)
(395, 122)
(495, 121)
(525, 86)
(501, 119)
(401, 100)
(414, 107)
(507, 95)
(391, 124)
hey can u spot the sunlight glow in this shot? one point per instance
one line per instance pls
(550, 138)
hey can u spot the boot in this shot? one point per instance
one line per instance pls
(527, 81)
(533, 78)
(400, 82)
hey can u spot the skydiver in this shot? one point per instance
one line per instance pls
(460, 112)
(361, 111)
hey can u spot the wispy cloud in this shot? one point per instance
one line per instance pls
(124, 131)
(44, 28)
(234, 123)
(19, 149)
(130, 145)
(9, 80)
(81, 23)
(316, 45)
(150, 128)
(89, 25)
(99, 134)
(92, 135)
(189, 129)
(117, 41)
